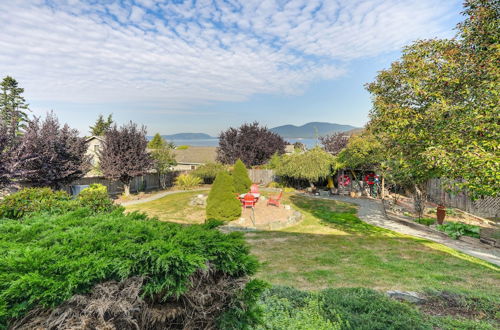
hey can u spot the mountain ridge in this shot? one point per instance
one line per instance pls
(311, 130)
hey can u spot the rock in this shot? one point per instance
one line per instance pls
(262, 198)
(287, 207)
(408, 296)
(199, 200)
(294, 218)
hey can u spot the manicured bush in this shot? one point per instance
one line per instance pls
(208, 172)
(96, 198)
(457, 229)
(222, 203)
(35, 200)
(187, 181)
(241, 180)
(51, 258)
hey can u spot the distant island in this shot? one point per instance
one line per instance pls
(188, 136)
(311, 130)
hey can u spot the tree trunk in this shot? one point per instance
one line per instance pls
(383, 189)
(419, 198)
(126, 189)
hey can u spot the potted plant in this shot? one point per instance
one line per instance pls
(440, 213)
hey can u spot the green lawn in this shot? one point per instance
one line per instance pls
(331, 247)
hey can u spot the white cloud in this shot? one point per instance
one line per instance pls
(178, 55)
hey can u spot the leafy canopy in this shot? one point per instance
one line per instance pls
(251, 143)
(313, 165)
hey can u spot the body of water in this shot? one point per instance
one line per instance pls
(309, 143)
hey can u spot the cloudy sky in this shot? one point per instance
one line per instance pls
(201, 66)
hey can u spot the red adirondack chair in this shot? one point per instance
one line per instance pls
(248, 201)
(275, 200)
(254, 189)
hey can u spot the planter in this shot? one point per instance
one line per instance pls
(440, 213)
(352, 194)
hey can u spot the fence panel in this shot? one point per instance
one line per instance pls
(263, 177)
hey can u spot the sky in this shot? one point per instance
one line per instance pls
(202, 66)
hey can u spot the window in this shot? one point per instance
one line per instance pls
(96, 148)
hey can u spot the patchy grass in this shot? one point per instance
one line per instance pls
(331, 247)
(173, 208)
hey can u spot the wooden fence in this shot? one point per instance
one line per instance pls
(263, 177)
(488, 207)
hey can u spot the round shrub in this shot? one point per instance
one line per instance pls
(96, 198)
(35, 200)
(241, 180)
(222, 203)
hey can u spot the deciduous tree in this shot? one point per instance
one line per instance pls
(124, 155)
(50, 155)
(335, 142)
(251, 143)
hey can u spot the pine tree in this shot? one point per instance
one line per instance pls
(241, 180)
(157, 142)
(222, 203)
(101, 126)
(13, 109)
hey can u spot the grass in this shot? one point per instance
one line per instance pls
(173, 208)
(331, 247)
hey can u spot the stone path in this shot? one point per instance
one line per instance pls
(372, 212)
(158, 196)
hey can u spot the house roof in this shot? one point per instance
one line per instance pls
(90, 138)
(196, 155)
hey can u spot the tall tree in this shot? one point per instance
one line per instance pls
(241, 180)
(4, 154)
(157, 142)
(335, 142)
(124, 155)
(13, 109)
(50, 155)
(101, 125)
(251, 143)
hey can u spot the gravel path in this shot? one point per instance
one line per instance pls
(372, 212)
(158, 196)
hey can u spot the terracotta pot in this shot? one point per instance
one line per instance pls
(440, 213)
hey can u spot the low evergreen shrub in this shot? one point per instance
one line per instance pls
(457, 229)
(241, 179)
(426, 221)
(35, 200)
(222, 203)
(51, 258)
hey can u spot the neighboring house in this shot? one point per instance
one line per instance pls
(94, 144)
(289, 149)
(192, 157)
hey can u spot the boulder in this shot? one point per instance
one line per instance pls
(199, 200)
(408, 296)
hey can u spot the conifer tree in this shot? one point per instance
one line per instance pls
(241, 180)
(101, 125)
(222, 203)
(13, 109)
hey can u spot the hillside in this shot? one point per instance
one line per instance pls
(310, 130)
(187, 136)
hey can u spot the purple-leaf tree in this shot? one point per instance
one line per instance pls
(124, 155)
(335, 142)
(50, 155)
(251, 143)
(4, 154)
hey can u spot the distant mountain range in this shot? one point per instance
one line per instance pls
(188, 136)
(306, 131)
(311, 130)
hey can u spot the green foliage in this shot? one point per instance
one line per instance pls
(183, 147)
(207, 172)
(457, 229)
(241, 180)
(163, 159)
(96, 198)
(437, 107)
(13, 108)
(312, 165)
(362, 152)
(222, 203)
(426, 221)
(344, 308)
(35, 200)
(101, 125)
(273, 162)
(51, 258)
(245, 312)
(157, 142)
(187, 181)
